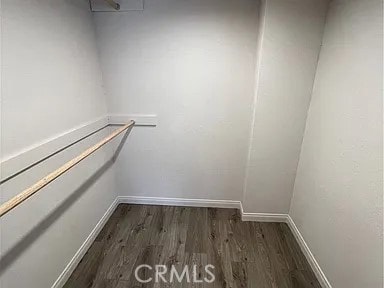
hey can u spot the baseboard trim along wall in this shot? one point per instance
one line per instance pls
(259, 217)
(180, 202)
(264, 217)
(308, 254)
(64, 276)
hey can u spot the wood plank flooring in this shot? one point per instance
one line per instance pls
(244, 254)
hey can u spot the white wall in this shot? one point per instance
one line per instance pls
(51, 83)
(289, 48)
(338, 195)
(51, 74)
(192, 63)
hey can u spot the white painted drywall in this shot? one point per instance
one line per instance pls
(51, 83)
(51, 75)
(289, 48)
(192, 63)
(338, 196)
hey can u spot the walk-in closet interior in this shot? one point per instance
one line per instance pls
(191, 143)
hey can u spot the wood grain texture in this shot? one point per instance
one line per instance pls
(24, 195)
(245, 254)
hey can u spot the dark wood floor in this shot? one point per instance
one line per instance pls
(245, 254)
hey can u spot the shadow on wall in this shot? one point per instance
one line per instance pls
(13, 253)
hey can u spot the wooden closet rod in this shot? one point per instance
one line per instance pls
(115, 5)
(21, 197)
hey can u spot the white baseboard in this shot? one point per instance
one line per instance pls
(308, 254)
(264, 217)
(180, 202)
(261, 217)
(64, 276)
